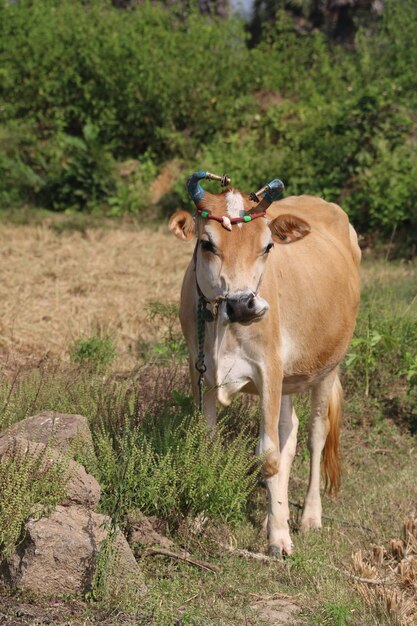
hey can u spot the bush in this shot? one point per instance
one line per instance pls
(173, 469)
(95, 352)
(26, 481)
(172, 347)
(87, 87)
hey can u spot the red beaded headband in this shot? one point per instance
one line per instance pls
(228, 221)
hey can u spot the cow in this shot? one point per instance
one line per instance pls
(279, 281)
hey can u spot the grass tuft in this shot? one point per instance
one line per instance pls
(96, 352)
(175, 469)
(30, 484)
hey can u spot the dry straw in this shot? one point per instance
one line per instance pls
(393, 570)
(55, 288)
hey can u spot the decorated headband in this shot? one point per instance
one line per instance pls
(271, 192)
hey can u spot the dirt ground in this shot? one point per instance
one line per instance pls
(55, 288)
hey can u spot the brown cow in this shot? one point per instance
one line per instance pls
(283, 291)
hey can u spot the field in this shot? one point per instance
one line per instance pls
(63, 282)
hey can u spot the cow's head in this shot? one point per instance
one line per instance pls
(234, 240)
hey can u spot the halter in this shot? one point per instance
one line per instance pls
(227, 222)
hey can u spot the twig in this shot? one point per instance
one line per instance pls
(359, 579)
(188, 600)
(246, 554)
(343, 522)
(183, 557)
(278, 595)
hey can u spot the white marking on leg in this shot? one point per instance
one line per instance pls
(318, 428)
(209, 406)
(277, 485)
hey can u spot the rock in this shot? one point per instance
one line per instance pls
(61, 430)
(82, 488)
(143, 531)
(59, 554)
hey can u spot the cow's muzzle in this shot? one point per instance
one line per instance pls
(245, 307)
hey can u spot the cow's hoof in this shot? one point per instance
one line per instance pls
(310, 523)
(276, 552)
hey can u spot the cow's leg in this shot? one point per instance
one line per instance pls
(209, 397)
(324, 425)
(279, 538)
(276, 466)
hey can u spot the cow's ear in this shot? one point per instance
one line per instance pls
(182, 225)
(289, 228)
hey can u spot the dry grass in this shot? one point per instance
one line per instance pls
(389, 577)
(55, 288)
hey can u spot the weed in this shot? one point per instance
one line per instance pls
(172, 346)
(337, 614)
(174, 470)
(364, 349)
(411, 368)
(28, 479)
(95, 352)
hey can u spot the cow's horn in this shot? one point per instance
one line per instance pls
(271, 192)
(194, 188)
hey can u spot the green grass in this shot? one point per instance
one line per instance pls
(174, 470)
(31, 484)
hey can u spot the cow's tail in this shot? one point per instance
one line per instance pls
(331, 461)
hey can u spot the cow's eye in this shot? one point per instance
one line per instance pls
(207, 246)
(269, 248)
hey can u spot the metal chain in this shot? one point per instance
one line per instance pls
(203, 315)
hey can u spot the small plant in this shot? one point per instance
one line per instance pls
(174, 470)
(338, 614)
(95, 352)
(363, 348)
(364, 352)
(410, 372)
(172, 345)
(27, 480)
(411, 369)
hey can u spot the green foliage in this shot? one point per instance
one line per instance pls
(337, 614)
(381, 360)
(411, 368)
(378, 340)
(174, 469)
(29, 484)
(337, 122)
(59, 171)
(364, 350)
(172, 346)
(118, 95)
(95, 352)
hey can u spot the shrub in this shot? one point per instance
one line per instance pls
(95, 352)
(337, 122)
(172, 346)
(174, 470)
(26, 481)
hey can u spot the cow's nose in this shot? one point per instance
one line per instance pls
(243, 308)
